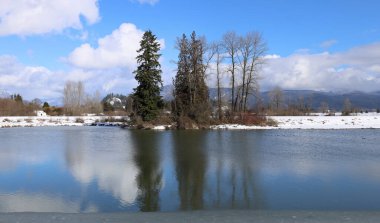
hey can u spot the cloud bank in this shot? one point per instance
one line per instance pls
(115, 50)
(356, 69)
(109, 66)
(33, 17)
(29, 81)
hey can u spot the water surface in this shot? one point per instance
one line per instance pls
(93, 169)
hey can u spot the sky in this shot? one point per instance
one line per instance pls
(325, 45)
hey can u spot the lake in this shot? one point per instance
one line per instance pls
(100, 169)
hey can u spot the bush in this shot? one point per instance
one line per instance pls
(79, 120)
(163, 120)
(251, 119)
(345, 113)
(185, 122)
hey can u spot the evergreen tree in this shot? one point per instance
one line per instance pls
(147, 99)
(182, 91)
(199, 98)
(17, 98)
(191, 91)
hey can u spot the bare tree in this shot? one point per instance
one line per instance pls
(245, 52)
(73, 97)
(93, 104)
(231, 44)
(324, 108)
(276, 98)
(347, 107)
(217, 58)
(259, 48)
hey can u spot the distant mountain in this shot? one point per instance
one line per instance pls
(167, 92)
(361, 100)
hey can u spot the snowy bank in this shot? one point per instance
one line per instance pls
(315, 122)
(360, 121)
(34, 121)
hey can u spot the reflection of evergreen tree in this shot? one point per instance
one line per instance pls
(190, 168)
(150, 175)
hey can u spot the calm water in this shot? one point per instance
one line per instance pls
(92, 169)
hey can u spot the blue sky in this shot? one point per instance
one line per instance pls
(329, 45)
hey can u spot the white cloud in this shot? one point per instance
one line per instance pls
(328, 43)
(32, 17)
(115, 50)
(151, 2)
(41, 82)
(272, 56)
(353, 70)
(30, 81)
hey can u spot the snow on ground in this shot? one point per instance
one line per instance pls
(359, 121)
(33, 121)
(327, 122)
(160, 127)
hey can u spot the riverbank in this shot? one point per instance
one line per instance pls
(238, 216)
(35, 121)
(315, 122)
(359, 121)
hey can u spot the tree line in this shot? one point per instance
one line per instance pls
(238, 57)
(16, 106)
(232, 63)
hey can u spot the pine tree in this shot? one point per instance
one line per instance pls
(199, 98)
(147, 99)
(181, 83)
(191, 91)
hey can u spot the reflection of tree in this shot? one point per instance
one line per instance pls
(190, 167)
(245, 164)
(233, 175)
(149, 178)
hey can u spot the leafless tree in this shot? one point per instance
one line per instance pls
(347, 107)
(324, 108)
(93, 104)
(73, 97)
(276, 98)
(259, 48)
(218, 56)
(231, 45)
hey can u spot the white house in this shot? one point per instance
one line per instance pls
(40, 113)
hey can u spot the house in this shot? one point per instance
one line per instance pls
(40, 113)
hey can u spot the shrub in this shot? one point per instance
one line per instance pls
(79, 120)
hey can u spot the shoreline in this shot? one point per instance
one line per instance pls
(238, 216)
(54, 121)
(359, 121)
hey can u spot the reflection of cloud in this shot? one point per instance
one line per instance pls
(40, 203)
(113, 171)
(10, 158)
(307, 166)
(115, 176)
